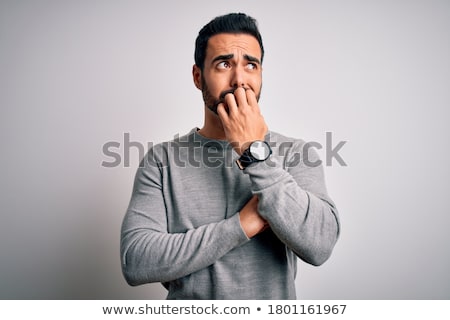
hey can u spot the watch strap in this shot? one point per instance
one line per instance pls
(245, 160)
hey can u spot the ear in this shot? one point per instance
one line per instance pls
(197, 76)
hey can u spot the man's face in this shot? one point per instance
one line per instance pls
(232, 61)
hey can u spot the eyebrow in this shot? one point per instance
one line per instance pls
(251, 58)
(231, 55)
(223, 57)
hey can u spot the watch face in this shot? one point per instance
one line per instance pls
(260, 150)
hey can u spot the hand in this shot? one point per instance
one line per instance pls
(243, 123)
(252, 223)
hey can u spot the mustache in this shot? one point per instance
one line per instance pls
(221, 99)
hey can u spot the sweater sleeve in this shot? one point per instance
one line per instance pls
(149, 253)
(293, 199)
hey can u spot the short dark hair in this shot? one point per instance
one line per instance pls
(229, 23)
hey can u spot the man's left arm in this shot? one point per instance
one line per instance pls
(294, 201)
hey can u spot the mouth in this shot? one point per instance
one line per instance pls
(213, 108)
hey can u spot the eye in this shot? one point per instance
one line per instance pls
(252, 66)
(223, 65)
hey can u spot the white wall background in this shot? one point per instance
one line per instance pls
(77, 74)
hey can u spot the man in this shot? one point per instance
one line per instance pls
(224, 211)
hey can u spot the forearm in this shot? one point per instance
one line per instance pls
(157, 256)
(306, 221)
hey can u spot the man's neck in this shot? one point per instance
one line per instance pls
(212, 127)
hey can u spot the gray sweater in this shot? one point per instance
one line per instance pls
(182, 225)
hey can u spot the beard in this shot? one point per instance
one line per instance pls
(212, 102)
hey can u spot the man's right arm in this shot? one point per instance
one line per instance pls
(149, 253)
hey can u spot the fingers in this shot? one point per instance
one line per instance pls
(240, 100)
(232, 104)
(222, 112)
(241, 97)
(251, 98)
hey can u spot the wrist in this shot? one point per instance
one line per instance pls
(241, 147)
(256, 151)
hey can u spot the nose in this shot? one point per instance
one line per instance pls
(238, 78)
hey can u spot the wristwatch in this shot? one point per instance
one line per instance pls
(258, 151)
